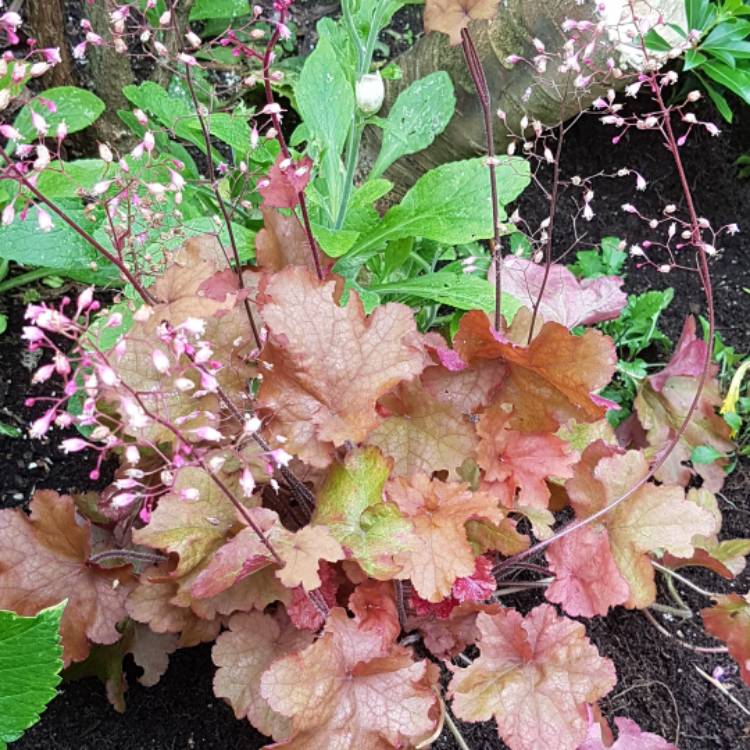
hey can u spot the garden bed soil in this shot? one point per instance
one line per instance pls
(658, 685)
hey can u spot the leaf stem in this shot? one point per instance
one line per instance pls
(684, 644)
(453, 728)
(682, 579)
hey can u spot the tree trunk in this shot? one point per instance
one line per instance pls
(47, 22)
(110, 73)
(517, 89)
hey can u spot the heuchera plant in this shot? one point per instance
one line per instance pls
(305, 474)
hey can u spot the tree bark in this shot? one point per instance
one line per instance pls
(110, 73)
(47, 22)
(517, 89)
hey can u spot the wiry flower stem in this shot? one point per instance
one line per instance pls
(79, 230)
(215, 188)
(474, 64)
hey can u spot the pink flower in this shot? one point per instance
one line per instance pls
(73, 445)
(40, 427)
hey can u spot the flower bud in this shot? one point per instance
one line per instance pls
(370, 92)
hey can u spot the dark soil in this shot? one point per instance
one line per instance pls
(658, 686)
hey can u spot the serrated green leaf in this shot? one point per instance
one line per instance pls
(30, 664)
(420, 113)
(459, 290)
(77, 108)
(350, 503)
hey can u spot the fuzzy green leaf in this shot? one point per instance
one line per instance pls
(420, 113)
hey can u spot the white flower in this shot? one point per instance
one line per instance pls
(370, 92)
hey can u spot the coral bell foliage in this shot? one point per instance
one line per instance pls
(305, 474)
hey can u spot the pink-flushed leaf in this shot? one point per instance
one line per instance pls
(302, 611)
(328, 365)
(652, 520)
(296, 558)
(534, 675)
(151, 603)
(44, 559)
(448, 636)
(629, 737)
(548, 382)
(478, 586)
(587, 581)
(688, 359)
(729, 621)
(151, 652)
(450, 16)
(438, 550)
(374, 606)
(186, 291)
(302, 551)
(285, 180)
(585, 492)
(191, 529)
(662, 404)
(519, 462)
(352, 689)
(566, 300)
(469, 389)
(422, 434)
(249, 646)
(282, 242)
(242, 555)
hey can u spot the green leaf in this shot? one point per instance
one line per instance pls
(77, 108)
(718, 99)
(231, 129)
(705, 454)
(156, 101)
(451, 204)
(694, 59)
(350, 503)
(30, 664)
(699, 14)
(3, 323)
(325, 100)
(335, 242)
(460, 290)
(420, 113)
(64, 179)
(61, 249)
(737, 81)
(218, 9)
(9, 431)
(605, 261)
(655, 41)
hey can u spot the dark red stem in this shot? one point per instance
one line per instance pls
(474, 64)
